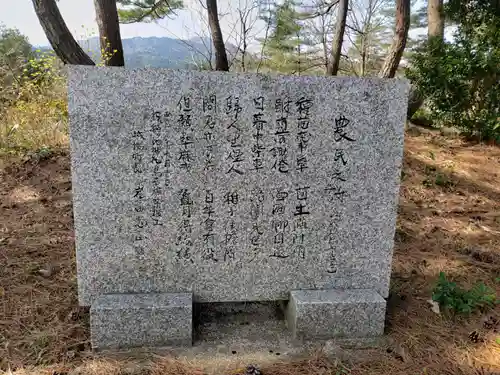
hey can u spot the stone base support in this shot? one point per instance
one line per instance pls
(141, 320)
(328, 314)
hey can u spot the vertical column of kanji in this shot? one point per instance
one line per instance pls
(209, 244)
(303, 107)
(166, 120)
(235, 157)
(138, 194)
(281, 164)
(209, 124)
(335, 187)
(258, 125)
(234, 167)
(186, 135)
(186, 146)
(209, 252)
(280, 149)
(300, 221)
(184, 240)
(231, 200)
(257, 196)
(279, 224)
(157, 161)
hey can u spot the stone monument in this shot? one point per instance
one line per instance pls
(196, 187)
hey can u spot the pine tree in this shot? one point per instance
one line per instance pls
(146, 10)
(283, 48)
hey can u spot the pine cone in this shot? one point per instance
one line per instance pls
(252, 370)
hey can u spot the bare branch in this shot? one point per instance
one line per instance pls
(329, 8)
(355, 29)
(263, 45)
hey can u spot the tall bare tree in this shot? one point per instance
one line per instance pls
(247, 18)
(221, 62)
(369, 27)
(399, 42)
(109, 32)
(334, 63)
(320, 29)
(435, 19)
(58, 34)
(317, 32)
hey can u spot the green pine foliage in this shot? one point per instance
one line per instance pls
(282, 42)
(146, 10)
(287, 49)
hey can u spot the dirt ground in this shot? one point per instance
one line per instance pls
(449, 220)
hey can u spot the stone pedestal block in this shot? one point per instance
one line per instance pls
(325, 314)
(146, 320)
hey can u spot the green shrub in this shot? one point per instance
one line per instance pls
(37, 119)
(451, 297)
(460, 79)
(15, 51)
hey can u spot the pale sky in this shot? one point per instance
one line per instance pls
(79, 15)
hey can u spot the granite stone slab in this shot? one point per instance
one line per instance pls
(326, 314)
(141, 320)
(233, 187)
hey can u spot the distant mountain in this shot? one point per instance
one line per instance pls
(157, 52)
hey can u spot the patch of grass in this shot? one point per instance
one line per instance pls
(443, 180)
(37, 119)
(461, 301)
(37, 123)
(436, 178)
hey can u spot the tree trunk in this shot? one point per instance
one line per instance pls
(244, 30)
(325, 51)
(334, 63)
(58, 34)
(398, 44)
(363, 55)
(435, 19)
(435, 30)
(109, 32)
(221, 62)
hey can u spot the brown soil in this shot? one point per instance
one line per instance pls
(449, 220)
